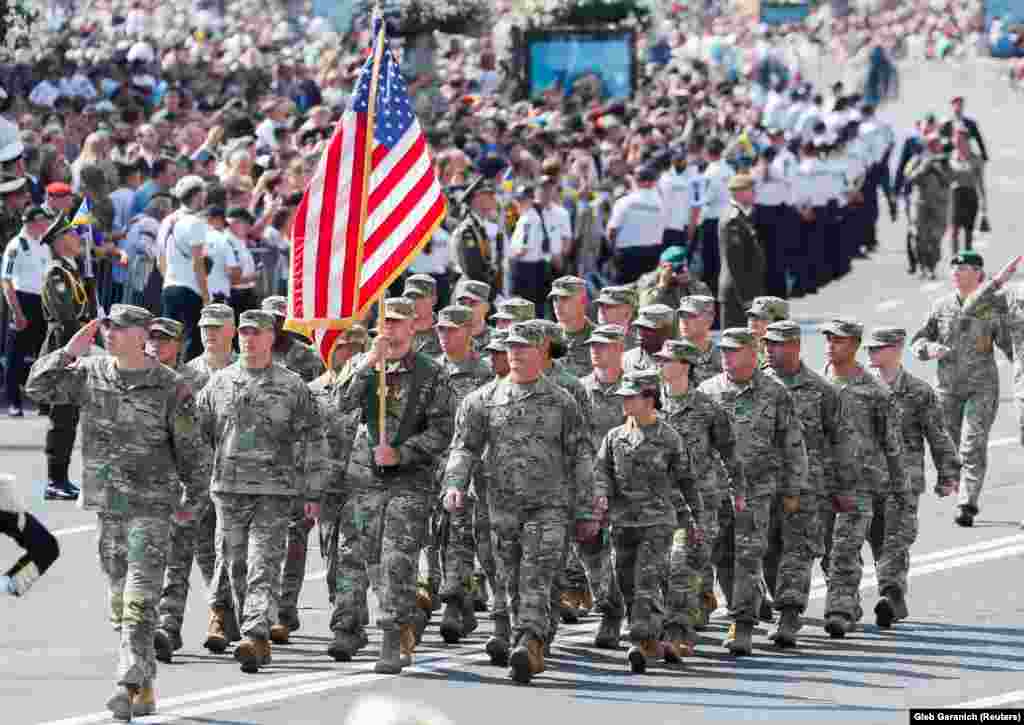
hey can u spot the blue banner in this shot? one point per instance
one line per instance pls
(564, 58)
(781, 13)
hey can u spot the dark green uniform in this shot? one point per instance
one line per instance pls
(474, 252)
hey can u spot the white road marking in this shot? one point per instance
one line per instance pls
(888, 305)
(74, 530)
(1000, 442)
(986, 702)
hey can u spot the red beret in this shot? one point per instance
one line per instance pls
(58, 188)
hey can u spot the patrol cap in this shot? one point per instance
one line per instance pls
(679, 351)
(676, 255)
(454, 316)
(128, 316)
(525, 333)
(782, 331)
(617, 295)
(553, 331)
(10, 184)
(167, 326)
(655, 316)
(567, 287)
(697, 304)
(886, 336)
(607, 334)
(843, 327)
(474, 289)
(35, 213)
(238, 213)
(736, 338)
(399, 308)
(419, 286)
(354, 335)
(497, 342)
(638, 382)
(277, 305)
(216, 315)
(741, 182)
(259, 319)
(516, 309)
(968, 257)
(769, 308)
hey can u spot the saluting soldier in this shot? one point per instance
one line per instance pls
(671, 281)
(473, 249)
(65, 308)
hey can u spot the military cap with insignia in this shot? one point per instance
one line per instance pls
(607, 334)
(216, 315)
(474, 289)
(679, 351)
(276, 304)
(480, 185)
(655, 317)
(497, 342)
(886, 336)
(554, 332)
(167, 326)
(257, 319)
(516, 309)
(356, 334)
(567, 287)
(638, 382)
(618, 295)
(736, 338)
(525, 333)
(843, 327)
(968, 257)
(454, 316)
(782, 331)
(769, 308)
(696, 304)
(399, 308)
(128, 316)
(419, 285)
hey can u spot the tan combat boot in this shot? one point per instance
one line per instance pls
(216, 639)
(527, 660)
(407, 643)
(145, 701)
(252, 654)
(279, 633)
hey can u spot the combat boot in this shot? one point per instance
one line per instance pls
(899, 605)
(346, 645)
(567, 609)
(676, 646)
(216, 639)
(127, 702)
(145, 701)
(789, 624)
(390, 661)
(497, 645)
(279, 633)
(837, 625)
(451, 622)
(252, 654)
(163, 644)
(469, 620)
(290, 619)
(420, 620)
(708, 607)
(885, 612)
(766, 613)
(966, 515)
(640, 653)
(742, 643)
(232, 628)
(526, 661)
(586, 602)
(609, 633)
(730, 636)
(407, 643)
(480, 594)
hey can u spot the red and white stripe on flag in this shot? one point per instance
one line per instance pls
(342, 262)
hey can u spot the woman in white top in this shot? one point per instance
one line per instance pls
(243, 289)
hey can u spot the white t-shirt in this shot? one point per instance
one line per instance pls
(221, 251)
(179, 234)
(24, 264)
(640, 219)
(716, 195)
(529, 234)
(245, 260)
(675, 195)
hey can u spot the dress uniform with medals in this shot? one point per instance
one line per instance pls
(473, 249)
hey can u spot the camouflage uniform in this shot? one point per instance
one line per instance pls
(537, 433)
(932, 179)
(619, 295)
(479, 293)
(141, 448)
(515, 310)
(384, 521)
(577, 351)
(709, 362)
(649, 293)
(894, 529)
(260, 423)
(654, 317)
(796, 539)
(643, 470)
(420, 286)
(708, 437)
(967, 378)
(875, 435)
(770, 446)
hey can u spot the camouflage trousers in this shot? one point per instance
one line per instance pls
(251, 534)
(529, 549)
(892, 532)
(330, 520)
(133, 553)
(293, 570)
(969, 420)
(844, 538)
(641, 566)
(469, 538)
(596, 558)
(750, 543)
(688, 566)
(794, 542)
(380, 537)
(723, 551)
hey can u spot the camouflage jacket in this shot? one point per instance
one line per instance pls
(706, 431)
(830, 463)
(141, 442)
(643, 470)
(638, 359)
(464, 377)
(875, 432)
(432, 418)
(649, 293)
(197, 371)
(481, 341)
(770, 442)
(536, 432)
(561, 377)
(260, 424)
(329, 455)
(427, 343)
(577, 355)
(970, 366)
(921, 417)
(709, 365)
(605, 407)
(301, 359)
(991, 296)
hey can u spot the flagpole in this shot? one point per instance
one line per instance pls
(371, 113)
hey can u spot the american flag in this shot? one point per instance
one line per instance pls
(369, 208)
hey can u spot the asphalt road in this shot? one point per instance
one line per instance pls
(963, 644)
